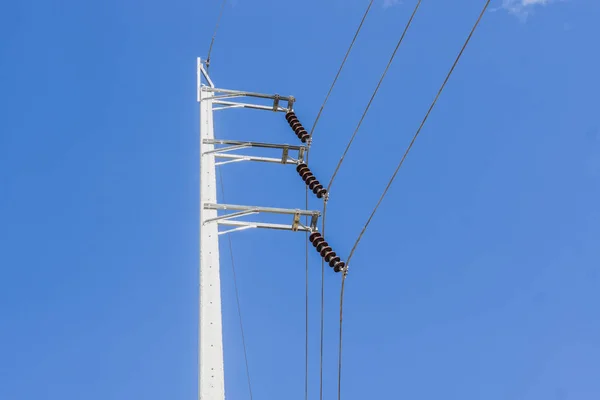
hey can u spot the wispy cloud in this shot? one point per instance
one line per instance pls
(522, 8)
(391, 3)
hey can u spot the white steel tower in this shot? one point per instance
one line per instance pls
(218, 219)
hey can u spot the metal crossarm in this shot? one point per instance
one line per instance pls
(254, 144)
(229, 219)
(234, 145)
(219, 96)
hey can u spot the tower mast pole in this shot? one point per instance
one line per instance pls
(223, 219)
(211, 372)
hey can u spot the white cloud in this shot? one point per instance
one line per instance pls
(523, 7)
(391, 3)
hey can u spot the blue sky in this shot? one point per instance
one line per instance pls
(478, 278)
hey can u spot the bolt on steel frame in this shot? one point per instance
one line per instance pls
(218, 219)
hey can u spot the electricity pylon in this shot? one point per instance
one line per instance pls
(218, 219)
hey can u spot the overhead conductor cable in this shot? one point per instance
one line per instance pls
(391, 181)
(385, 71)
(325, 199)
(212, 41)
(237, 295)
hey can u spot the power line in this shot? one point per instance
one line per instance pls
(237, 295)
(341, 67)
(487, 3)
(419, 130)
(212, 41)
(337, 168)
(322, 337)
(306, 304)
(322, 325)
(306, 367)
(322, 322)
(407, 26)
(322, 303)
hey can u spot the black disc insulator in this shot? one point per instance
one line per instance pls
(304, 171)
(289, 115)
(319, 195)
(314, 235)
(318, 240)
(310, 180)
(329, 256)
(322, 245)
(314, 184)
(322, 192)
(325, 250)
(296, 126)
(339, 266)
(334, 261)
(303, 139)
(300, 166)
(317, 189)
(307, 176)
(300, 131)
